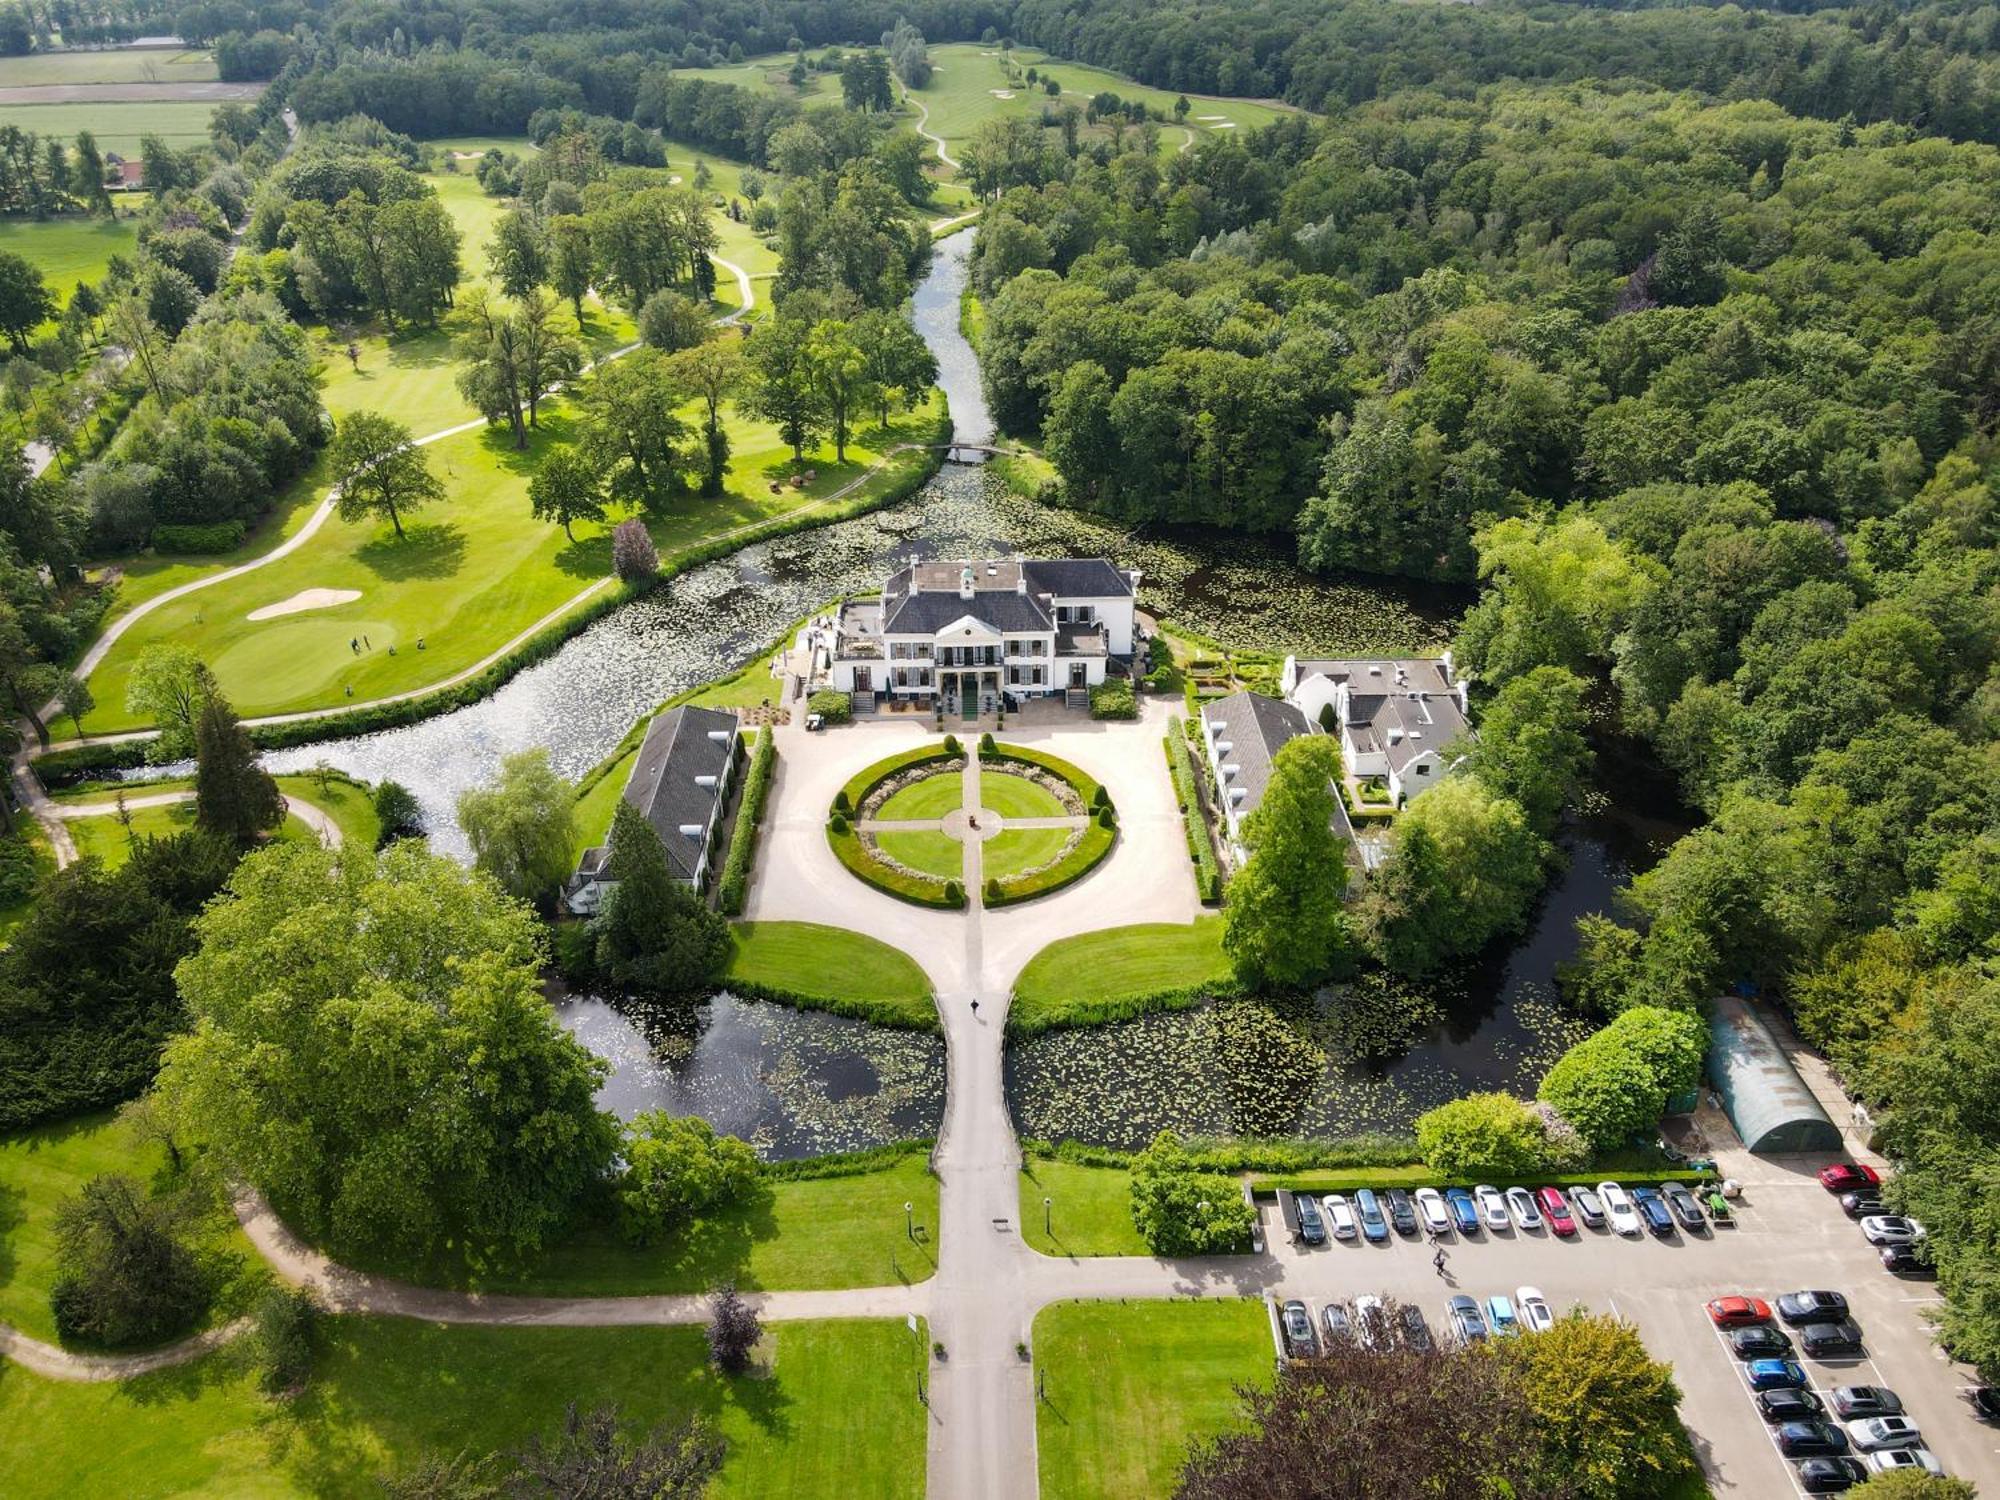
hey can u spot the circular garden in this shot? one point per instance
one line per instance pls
(905, 823)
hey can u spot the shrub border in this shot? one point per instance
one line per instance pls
(864, 866)
(749, 813)
(1096, 842)
(875, 1012)
(1187, 789)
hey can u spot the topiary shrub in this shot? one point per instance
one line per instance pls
(832, 706)
(954, 893)
(1106, 818)
(1100, 797)
(838, 822)
(986, 744)
(992, 888)
(841, 803)
(1113, 700)
(951, 745)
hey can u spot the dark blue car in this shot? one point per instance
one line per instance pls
(1653, 1208)
(1368, 1209)
(1464, 1212)
(1775, 1375)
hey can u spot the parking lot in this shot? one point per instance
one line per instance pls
(1790, 1235)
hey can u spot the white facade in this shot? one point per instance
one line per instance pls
(1396, 718)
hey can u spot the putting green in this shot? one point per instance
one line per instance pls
(932, 797)
(1017, 797)
(1013, 850)
(936, 854)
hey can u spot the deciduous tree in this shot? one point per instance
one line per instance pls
(654, 936)
(522, 827)
(379, 470)
(1286, 921)
(167, 687)
(565, 490)
(676, 1168)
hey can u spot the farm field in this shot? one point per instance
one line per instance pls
(117, 126)
(69, 249)
(108, 65)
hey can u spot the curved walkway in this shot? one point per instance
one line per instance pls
(924, 130)
(58, 813)
(56, 1363)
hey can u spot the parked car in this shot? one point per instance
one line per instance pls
(1536, 1314)
(1368, 1209)
(1501, 1316)
(1620, 1210)
(1555, 1208)
(1812, 1307)
(1775, 1374)
(1871, 1433)
(1761, 1342)
(1521, 1204)
(1860, 1205)
(1464, 1212)
(1650, 1204)
(1738, 1312)
(1298, 1323)
(1849, 1177)
(1312, 1228)
(1402, 1217)
(1802, 1438)
(1371, 1322)
(1339, 1215)
(1986, 1403)
(1433, 1210)
(1492, 1207)
(1685, 1208)
(1788, 1406)
(1894, 1460)
(1589, 1207)
(1830, 1340)
(1891, 1229)
(1414, 1332)
(1338, 1326)
(1905, 1260)
(1850, 1401)
(1468, 1325)
(1829, 1476)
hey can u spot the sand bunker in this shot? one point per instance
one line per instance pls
(1225, 125)
(1211, 117)
(1001, 93)
(304, 600)
(673, 179)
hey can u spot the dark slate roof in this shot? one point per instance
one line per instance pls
(663, 785)
(927, 613)
(1256, 727)
(1078, 578)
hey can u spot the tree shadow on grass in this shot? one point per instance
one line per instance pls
(13, 1214)
(586, 557)
(427, 549)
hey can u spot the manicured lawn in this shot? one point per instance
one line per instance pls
(116, 65)
(69, 249)
(835, 1415)
(109, 840)
(1073, 975)
(351, 807)
(1091, 1213)
(932, 797)
(834, 965)
(790, 1235)
(38, 1170)
(1013, 850)
(1132, 1384)
(596, 807)
(1017, 797)
(116, 124)
(933, 853)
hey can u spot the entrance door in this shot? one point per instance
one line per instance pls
(968, 698)
(1076, 675)
(864, 680)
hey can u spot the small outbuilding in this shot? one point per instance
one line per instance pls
(1774, 1113)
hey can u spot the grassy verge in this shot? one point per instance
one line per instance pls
(1093, 846)
(1119, 973)
(868, 778)
(1129, 1385)
(834, 1415)
(110, 841)
(1089, 1212)
(918, 889)
(830, 968)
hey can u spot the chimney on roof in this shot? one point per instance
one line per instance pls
(707, 783)
(721, 736)
(692, 830)
(965, 580)
(1021, 582)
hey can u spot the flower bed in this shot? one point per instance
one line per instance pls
(921, 890)
(863, 783)
(1084, 786)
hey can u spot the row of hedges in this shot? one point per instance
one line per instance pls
(865, 780)
(1187, 791)
(749, 813)
(1125, 1007)
(1250, 1154)
(851, 1006)
(1086, 786)
(916, 889)
(1418, 1175)
(348, 723)
(1098, 836)
(845, 1163)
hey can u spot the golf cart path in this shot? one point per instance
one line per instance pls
(314, 817)
(56, 1363)
(924, 130)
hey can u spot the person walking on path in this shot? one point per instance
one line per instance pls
(354, 645)
(1437, 1262)
(975, 1007)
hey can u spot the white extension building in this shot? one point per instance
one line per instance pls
(974, 631)
(1395, 718)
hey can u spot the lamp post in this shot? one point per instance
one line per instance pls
(910, 1221)
(1048, 1211)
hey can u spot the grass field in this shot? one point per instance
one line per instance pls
(787, 1236)
(108, 839)
(118, 65)
(1016, 796)
(831, 963)
(117, 124)
(834, 1415)
(1090, 1212)
(1013, 850)
(932, 797)
(351, 807)
(38, 1169)
(1120, 963)
(1131, 1384)
(920, 849)
(14, 913)
(69, 249)
(771, 74)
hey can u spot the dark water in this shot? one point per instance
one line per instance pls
(792, 1083)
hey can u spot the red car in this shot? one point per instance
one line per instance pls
(1555, 1208)
(1848, 1177)
(1739, 1312)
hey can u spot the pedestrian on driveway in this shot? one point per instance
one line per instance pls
(975, 1007)
(1437, 1261)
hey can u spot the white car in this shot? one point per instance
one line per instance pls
(1618, 1205)
(1339, 1215)
(1536, 1314)
(1521, 1203)
(1893, 1460)
(1891, 1229)
(1431, 1207)
(1871, 1433)
(1492, 1207)
(1370, 1322)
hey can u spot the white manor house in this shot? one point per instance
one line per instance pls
(975, 631)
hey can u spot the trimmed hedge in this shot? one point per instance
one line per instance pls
(1086, 786)
(1416, 1175)
(868, 778)
(743, 838)
(1113, 700)
(1126, 1007)
(190, 541)
(833, 706)
(1187, 790)
(844, 1163)
(1096, 842)
(1249, 1155)
(849, 1006)
(917, 890)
